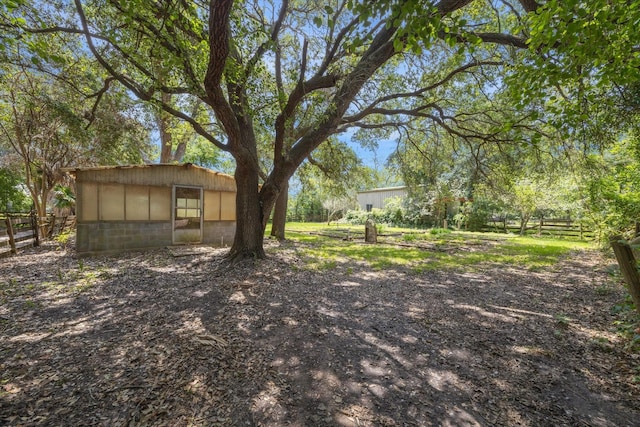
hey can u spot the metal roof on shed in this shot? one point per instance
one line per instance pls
(155, 174)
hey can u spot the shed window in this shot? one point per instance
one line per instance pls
(112, 202)
(228, 206)
(211, 205)
(159, 203)
(188, 207)
(369, 207)
(137, 203)
(89, 201)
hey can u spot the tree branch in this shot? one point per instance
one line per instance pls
(496, 38)
(530, 5)
(294, 99)
(331, 52)
(272, 39)
(98, 95)
(219, 12)
(155, 33)
(138, 91)
(503, 39)
(372, 108)
(447, 6)
(319, 165)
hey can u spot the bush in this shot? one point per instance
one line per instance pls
(379, 216)
(356, 217)
(478, 213)
(461, 220)
(13, 195)
(439, 231)
(411, 237)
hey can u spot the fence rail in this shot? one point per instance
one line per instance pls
(550, 227)
(21, 230)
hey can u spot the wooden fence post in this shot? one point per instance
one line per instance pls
(34, 228)
(370, 232)
(52, 225)
(628, 267)
(12, 240)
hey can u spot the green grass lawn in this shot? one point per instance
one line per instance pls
(424, 250)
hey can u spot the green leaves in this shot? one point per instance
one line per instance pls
(582, 67)
(594, 39)
(11, 5)
(12, 195)
(612, 184)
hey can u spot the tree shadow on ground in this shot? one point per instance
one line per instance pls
(124, 348)
(502, 347)
(150, 339)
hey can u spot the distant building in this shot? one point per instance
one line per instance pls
(377, 197)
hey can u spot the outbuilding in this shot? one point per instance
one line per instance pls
(377, 197)
(147, 206)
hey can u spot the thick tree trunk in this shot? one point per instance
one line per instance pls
(166, 142)
(39, 195)
(249, 237)
(181, 149)
(524, 220)
(280, 213)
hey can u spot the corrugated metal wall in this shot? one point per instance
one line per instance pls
(376, 198)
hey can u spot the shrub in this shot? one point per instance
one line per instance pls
(438, 231)
(356, 217)
(410, 237)
(478, 213)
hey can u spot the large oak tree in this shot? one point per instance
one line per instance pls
(285, 76)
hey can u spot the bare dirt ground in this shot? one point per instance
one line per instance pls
(148, 338)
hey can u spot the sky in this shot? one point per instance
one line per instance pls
(374, 158)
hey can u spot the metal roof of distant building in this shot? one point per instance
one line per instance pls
(403, 187)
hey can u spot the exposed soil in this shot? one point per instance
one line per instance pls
(150, 338)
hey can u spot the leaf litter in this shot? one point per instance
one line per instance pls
(171, 337)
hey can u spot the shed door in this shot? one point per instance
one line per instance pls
(187, 215)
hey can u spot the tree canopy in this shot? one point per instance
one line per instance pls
(278, 79)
